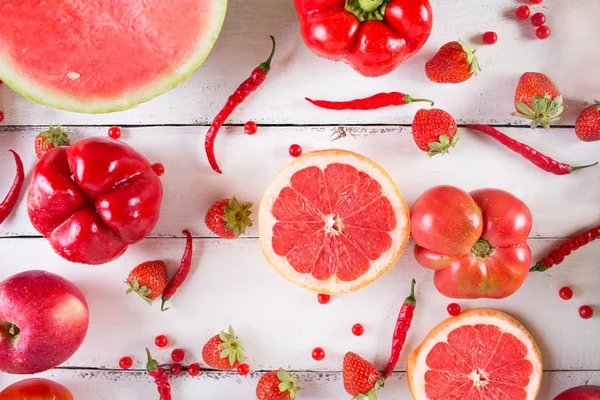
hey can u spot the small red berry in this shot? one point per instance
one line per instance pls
(543, 32)
(125, 363)
(490, 38)
(565, 293)
(453, 309)
(243, 369)
(536, 1)
(295, 150)
(177, 355)
(1, 116)
(161, 341)
(193, 369)
(586, 312)
(538, 19)
(318, 354)
(358, 329)
(176, 369)
(158, 169)
(323, 298)
(114, 132)
(523, 12)
(250, 128)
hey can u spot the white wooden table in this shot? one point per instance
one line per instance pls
(231, 283)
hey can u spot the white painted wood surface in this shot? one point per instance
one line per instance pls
(279, 323)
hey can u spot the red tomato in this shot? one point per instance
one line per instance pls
(476, 242)
(36, 389)
(580, 393)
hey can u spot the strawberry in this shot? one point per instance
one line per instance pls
(50, 139)
(148, 280)
(277, 385)
(455, 62)
(587, 126)
(537, 99)
(224, 351)
(228, 219)
(361, 378)
(434, 131)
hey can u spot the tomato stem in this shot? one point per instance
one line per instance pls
(482, 248)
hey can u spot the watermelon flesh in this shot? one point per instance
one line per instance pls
(103, 55)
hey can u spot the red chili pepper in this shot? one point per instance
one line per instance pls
(182, 272)
(542, 161)
(558, 255)
(160, 377)
(11, 198)
(402, 326)
(369, 103)
(257, 77)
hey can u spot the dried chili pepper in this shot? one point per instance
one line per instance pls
(11, 198)
(369, 103)
(557, 255)
(542, 161)
(402, 326)
(160, 377)
(257, 77)
(182, 272)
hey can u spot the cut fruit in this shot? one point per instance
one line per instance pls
(333, 222)
(482, 354)
(99, 56)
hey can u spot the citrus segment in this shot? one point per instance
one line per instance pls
(333, 221)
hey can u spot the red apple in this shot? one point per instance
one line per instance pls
(36, 389)
(43, 321)
(580, 393)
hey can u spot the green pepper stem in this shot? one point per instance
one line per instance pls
(582, 166)
(408, 99)
(538, 267)
(266, 66)
(152, 364)
(411, 300)
(370, 5)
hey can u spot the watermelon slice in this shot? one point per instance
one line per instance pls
(99, 56)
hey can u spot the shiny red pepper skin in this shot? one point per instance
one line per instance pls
(93, 199)
(374, 43)
(374, 102)
(11, 198)
(182, 273)
(405, 318)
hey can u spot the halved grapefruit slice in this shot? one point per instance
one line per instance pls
(103, 55)
(482, 354)
(333, 221)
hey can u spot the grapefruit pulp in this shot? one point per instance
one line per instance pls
(103, 55)
(333, 221)
(482, 354)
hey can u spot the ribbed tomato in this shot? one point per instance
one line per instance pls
(476, 242)
(36, 389)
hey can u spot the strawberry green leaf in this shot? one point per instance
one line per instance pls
(237, 216)
(471, 58)
(443, 145)
(543, 110)
(231, 348)
(55, 136)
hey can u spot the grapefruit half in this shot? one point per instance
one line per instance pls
(333, 221)
(482, 354)
(99, 56)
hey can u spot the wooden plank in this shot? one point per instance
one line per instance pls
(297, 73)
(117, 385)
(561, 205)
(280, 324)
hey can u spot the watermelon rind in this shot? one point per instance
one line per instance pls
(31, 90)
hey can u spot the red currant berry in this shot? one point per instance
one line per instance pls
(114, 132)
(1, 116)
(538, 19)
(250, 128)
(586, 312)
(523, 12)
(177, 355)
(243, 369)
(158, 169)
(193, 369)
(453, 309)
(176, 369)
(161, 341)
(295, 150)
(358, 330)
(318, 354)
(490, 38)
(565, 293)
(125, 363)
(323, 298)
(536, 1)
(543, 32)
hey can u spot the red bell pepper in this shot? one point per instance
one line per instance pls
(475, 242)
(373, 36)
(93, 199)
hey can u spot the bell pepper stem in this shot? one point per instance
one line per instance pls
(370, 5)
